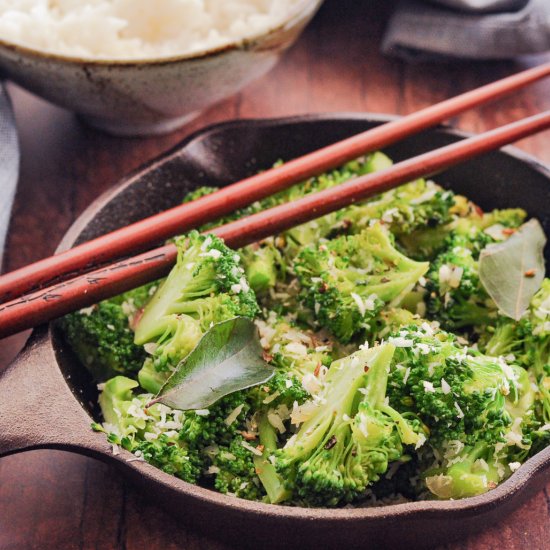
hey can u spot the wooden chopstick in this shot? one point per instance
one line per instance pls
(151, 231)
(45, 305)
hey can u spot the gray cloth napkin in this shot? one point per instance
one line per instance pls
(422, 30)
(9, 164)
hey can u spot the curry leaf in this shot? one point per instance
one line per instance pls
(228, 358)
(513, 271)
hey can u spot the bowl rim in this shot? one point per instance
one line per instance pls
(518, 482)
(297, 13)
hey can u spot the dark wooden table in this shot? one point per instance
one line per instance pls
(57, 500)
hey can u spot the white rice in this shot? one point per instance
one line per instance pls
(132, 29)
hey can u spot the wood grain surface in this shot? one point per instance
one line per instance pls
(57, 500)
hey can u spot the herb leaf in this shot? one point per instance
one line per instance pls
(228, 358)
(513, 271)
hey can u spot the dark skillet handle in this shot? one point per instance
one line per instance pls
(37, 408)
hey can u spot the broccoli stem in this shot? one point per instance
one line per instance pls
(271, 480)
(116, 391)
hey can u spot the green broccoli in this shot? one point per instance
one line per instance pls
(468, 400)
(350, 433)
(272, 482)
(459, 393)
(465, 471)
(527, 342)
(102, 337)
(426, 242)
(419, 414)
(236, 471)
(350, 279)
(206, 286)
(300, 358)
(455, 296)
(405, 209)
(225, 436)
(187, 444)
(151, 433)
(537, 348)
(264, 265)
(391, 320)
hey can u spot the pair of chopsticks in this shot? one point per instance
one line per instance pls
(25, 307)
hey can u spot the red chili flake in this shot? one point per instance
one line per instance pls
(317, 370)
(323, 287)
(260, 448)
(491, 484)
(477, 209)
(267, 356)
(266, 389)
(385, 280)
(530, 273)
(331, 442)
(258, 471)
(509, 231)
(248, 436)
(367, 368)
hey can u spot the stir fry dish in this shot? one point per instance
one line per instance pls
(396, 350)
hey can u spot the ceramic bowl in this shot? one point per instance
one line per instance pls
(151, 96)
(47, 398)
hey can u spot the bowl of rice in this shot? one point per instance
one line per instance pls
(136, 67)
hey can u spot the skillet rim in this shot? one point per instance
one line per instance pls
(519, 483)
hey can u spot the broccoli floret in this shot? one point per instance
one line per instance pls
(349, 280)
(292, 240)
(350, 434)
(465, 471)
(206, 286)
(300, 358)
(505, 338)
(508, 218)
(527, 341)
(185, 443)
(460, 394)
(479, 406)
(236, 471)
(102, 337)
(151, 433)
(264, 265)
(537, 348)
(391, 320)
(330, 225)
(405, 209)
(465, 218)
(220, 436)
(425, 243)
(455, 296)
(217, 425)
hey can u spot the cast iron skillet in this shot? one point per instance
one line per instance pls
(47, 399)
